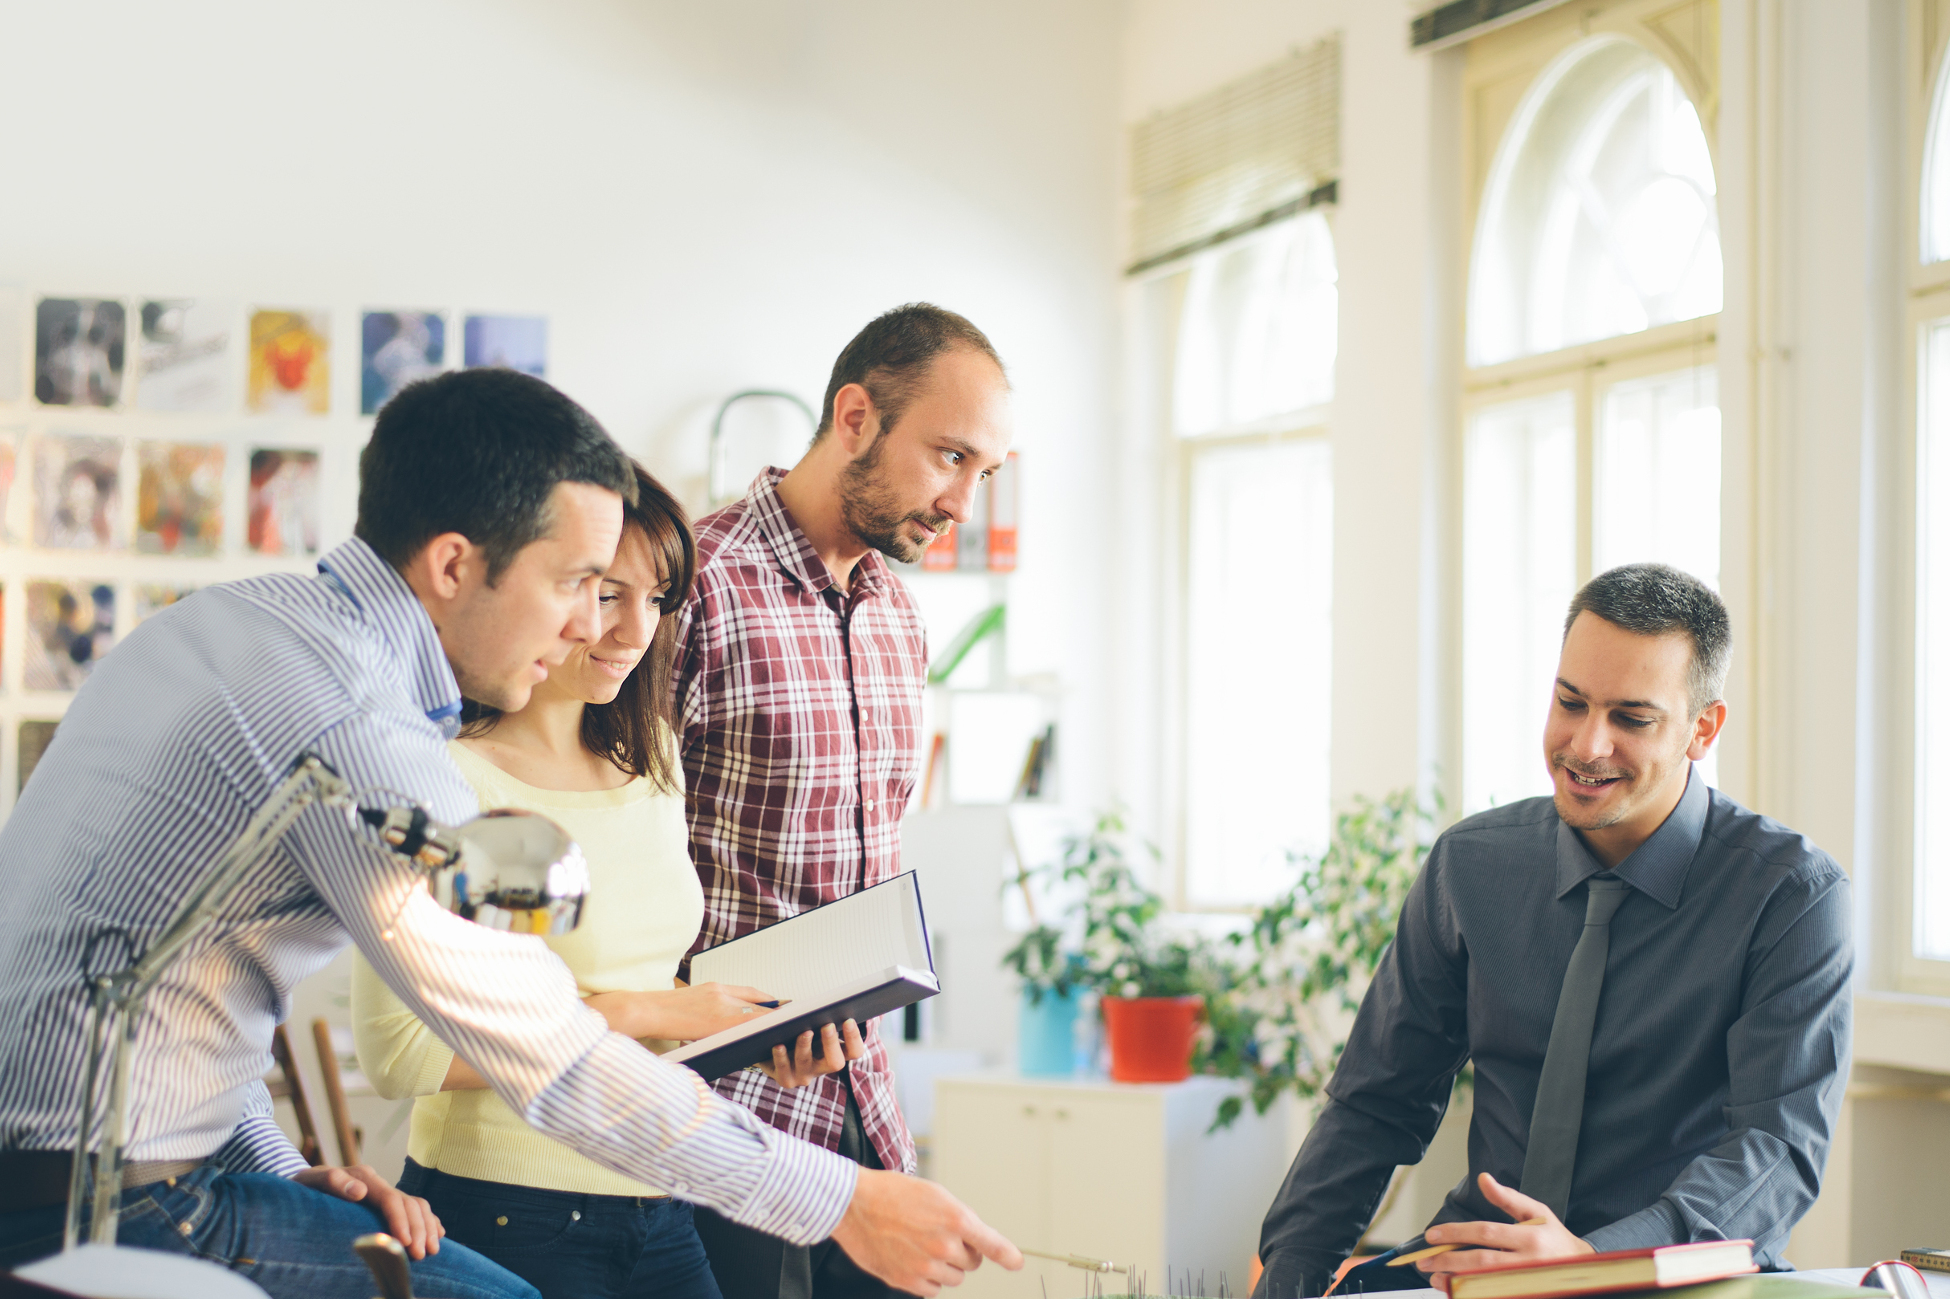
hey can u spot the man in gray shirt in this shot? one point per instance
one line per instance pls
(1697, 1101)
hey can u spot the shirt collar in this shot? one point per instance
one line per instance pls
(378, 591)
(794, 552)
(1657, 867)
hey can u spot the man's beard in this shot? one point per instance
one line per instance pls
(874, 515)
(1580, 818)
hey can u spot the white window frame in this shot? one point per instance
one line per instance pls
(1500, 69)
(1928, 304)
(1174, 476)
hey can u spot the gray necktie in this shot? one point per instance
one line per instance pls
(1552, 1149)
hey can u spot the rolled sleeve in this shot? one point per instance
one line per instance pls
(508, 1005)
(397, 1051)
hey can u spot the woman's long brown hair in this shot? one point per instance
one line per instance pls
(636, 729)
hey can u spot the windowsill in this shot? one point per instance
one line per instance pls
(1903, 1029)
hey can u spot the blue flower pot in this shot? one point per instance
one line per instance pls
(1046, 1036)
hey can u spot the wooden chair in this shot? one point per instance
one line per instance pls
(288, 1084)
(350, 1137)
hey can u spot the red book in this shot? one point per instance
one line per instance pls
(1622, 1269)
(935, 751)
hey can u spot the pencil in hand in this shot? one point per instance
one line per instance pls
(1432, 1250)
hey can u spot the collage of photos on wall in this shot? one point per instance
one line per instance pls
(153, 446)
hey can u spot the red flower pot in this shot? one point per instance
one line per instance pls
(1151, 1038)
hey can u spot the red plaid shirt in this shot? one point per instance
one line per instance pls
(800, 706)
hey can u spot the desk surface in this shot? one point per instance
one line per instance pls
(1939, 1281)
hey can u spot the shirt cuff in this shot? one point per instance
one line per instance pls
(1657, 1224)
(260, 1146)
(1285, 1275)
(803, 1193)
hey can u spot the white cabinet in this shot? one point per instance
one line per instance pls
(1110, 1170)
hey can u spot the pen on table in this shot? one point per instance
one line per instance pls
(1077, 1261)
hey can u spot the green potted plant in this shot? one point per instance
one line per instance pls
(1302, 966)
(1154, 989)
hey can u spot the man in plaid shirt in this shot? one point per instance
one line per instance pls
(798, 686)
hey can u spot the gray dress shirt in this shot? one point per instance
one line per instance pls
(1717, 1061)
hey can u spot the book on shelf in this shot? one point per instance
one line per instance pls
(1004, 488)
(989, 622)
(1035, 766)
(855, 958)
(937, 753)
(1661, 1268)
(973, 554)
(939, 557)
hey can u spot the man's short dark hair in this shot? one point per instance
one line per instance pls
(891, 355)
(478, 452)
(1659, 600)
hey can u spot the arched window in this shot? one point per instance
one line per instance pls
(1599, 218)
(1592, 425)
(1252, 344)
(1257, 339)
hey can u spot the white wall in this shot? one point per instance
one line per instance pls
(699, 197)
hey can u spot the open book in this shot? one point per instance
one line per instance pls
(858, 957)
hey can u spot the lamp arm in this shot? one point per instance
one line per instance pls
(309, 781)
(115, 1000)
(711, 466)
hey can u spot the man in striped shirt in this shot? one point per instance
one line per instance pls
(489, 507)
(798, 686)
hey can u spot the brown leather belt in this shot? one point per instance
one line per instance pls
(38, 1179)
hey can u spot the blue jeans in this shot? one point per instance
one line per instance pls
(572, 1246)
(290, 1239)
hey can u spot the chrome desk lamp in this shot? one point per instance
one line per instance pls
(508, 870)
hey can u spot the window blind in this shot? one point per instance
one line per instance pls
(1459, 20)
(1252, 152)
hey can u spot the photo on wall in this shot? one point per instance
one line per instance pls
(152, 598)
(10, 444)
(282, 518)
(78, 351)
(178, 498)
(183, 359)
(395, 348)
(13, 343)
(512, 342)
(70, 625)
(78, 493)
(35, 736)
(291, 363)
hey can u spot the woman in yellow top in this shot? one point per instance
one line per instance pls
(593, 751)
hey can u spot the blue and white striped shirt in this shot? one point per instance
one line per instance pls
(175, 740)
